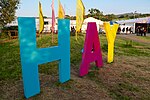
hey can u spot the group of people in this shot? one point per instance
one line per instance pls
(140, 30)
(125, 30)
(73, 30)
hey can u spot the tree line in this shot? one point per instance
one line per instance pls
(96, 13)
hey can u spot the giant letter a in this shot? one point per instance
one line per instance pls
(92, 51)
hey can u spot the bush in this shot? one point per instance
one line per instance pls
(3, 35)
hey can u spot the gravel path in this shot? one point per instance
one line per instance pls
(135, 38)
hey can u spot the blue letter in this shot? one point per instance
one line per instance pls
(31, 56)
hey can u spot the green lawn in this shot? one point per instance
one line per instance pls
(130, 66)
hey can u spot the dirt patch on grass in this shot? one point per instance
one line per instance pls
(76, 89)
(126, 78)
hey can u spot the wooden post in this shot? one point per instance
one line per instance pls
(52, 37)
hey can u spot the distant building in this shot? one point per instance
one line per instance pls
(48, 23)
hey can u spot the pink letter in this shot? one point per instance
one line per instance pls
(92, 51)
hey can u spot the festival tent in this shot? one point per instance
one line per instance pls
(132, 22)
(85, 23)
(91, 19)
(72, 23)
(149, 20)
(143, 22)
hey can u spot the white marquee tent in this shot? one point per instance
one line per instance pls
(91, 19)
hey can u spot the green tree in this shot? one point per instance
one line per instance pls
(111, 17)
(7, 11)
(72, 17)
(96, 13)
(67, 17)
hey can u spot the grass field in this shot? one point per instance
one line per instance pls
(128, 78)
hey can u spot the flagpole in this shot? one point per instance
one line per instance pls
(52, 37)
(53, 21)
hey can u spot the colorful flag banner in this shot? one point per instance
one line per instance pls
(80, 12)
(41, 19)
(61, 12)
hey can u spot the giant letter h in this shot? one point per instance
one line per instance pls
(31, 56)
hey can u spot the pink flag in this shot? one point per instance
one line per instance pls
(53, 17)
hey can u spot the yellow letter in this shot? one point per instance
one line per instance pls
(111, 35)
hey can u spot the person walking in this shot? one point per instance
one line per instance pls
(127, 30)
(123, 30)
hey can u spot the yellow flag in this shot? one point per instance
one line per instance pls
(80, 12)
(41, 19)
(111, 36)
(61, 12)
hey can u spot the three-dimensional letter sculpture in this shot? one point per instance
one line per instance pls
(31, 56)
(92, 51)
(111, 35)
